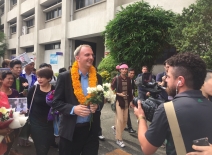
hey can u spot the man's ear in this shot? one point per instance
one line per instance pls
(77, 58)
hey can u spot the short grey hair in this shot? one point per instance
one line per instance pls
(78, 49)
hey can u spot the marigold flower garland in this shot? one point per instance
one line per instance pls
(92, 81)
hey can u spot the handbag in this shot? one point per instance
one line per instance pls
(26, 129)
(113, 105)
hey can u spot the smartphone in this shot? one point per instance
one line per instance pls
(201, 142)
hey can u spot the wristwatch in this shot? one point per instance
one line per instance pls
(141, 117)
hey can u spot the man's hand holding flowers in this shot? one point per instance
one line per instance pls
(93, 107)
(82, 110)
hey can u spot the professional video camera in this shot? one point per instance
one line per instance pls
(151, 104)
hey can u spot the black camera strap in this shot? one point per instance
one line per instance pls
(175, 129)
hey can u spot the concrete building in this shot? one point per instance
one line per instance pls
(49, 30)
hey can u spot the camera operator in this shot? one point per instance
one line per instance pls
(142, 94)
(185, 77)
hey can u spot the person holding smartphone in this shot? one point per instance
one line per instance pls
(185, 77)
(202, 150)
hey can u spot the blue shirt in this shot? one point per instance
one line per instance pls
(84, 85)
(30, 78)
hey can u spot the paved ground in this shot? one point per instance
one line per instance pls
(108, 146)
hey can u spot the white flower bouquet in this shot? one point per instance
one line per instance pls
(97, 93)
(11, 119)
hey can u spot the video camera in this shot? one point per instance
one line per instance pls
(151, 104)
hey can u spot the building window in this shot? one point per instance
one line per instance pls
(2, 11)
(13, 29)
(83, 3)
(30, 49)
(54, 14)
(13, 51)
(52, 46)
(30, 23)
(14, 2)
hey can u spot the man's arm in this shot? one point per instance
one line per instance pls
(146, 147)
(59, 97)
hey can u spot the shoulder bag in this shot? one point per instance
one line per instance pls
(113, 105)
(26, 129)
(175, 129)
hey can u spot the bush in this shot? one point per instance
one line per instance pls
(105, 76)
(107, 64)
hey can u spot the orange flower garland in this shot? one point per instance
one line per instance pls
(92, 81)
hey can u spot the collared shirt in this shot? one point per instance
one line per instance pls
(84, 85)
(30, 78)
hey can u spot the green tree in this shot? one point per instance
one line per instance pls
(107, 64)
(138, 34)
(193, 30)
(107, 68)
(3, 44)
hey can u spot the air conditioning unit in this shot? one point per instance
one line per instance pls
(24, 30)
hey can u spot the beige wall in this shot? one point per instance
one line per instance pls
(126, 1)
(12, 43)
(90, 11)
(12, 14)
(175, 6)
(27, 40)
(31, 29)
(53, 22)
(87, 26)
(42, 1)
(51, 34)
(13, 35)
(27, 5)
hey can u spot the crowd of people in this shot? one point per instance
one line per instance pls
(186, 83)
(16, 82)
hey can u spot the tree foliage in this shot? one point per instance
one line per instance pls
(138, 34)
(193, 29)
(107, 64)
(3, 45)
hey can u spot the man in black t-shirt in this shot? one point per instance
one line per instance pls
(185, 77)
